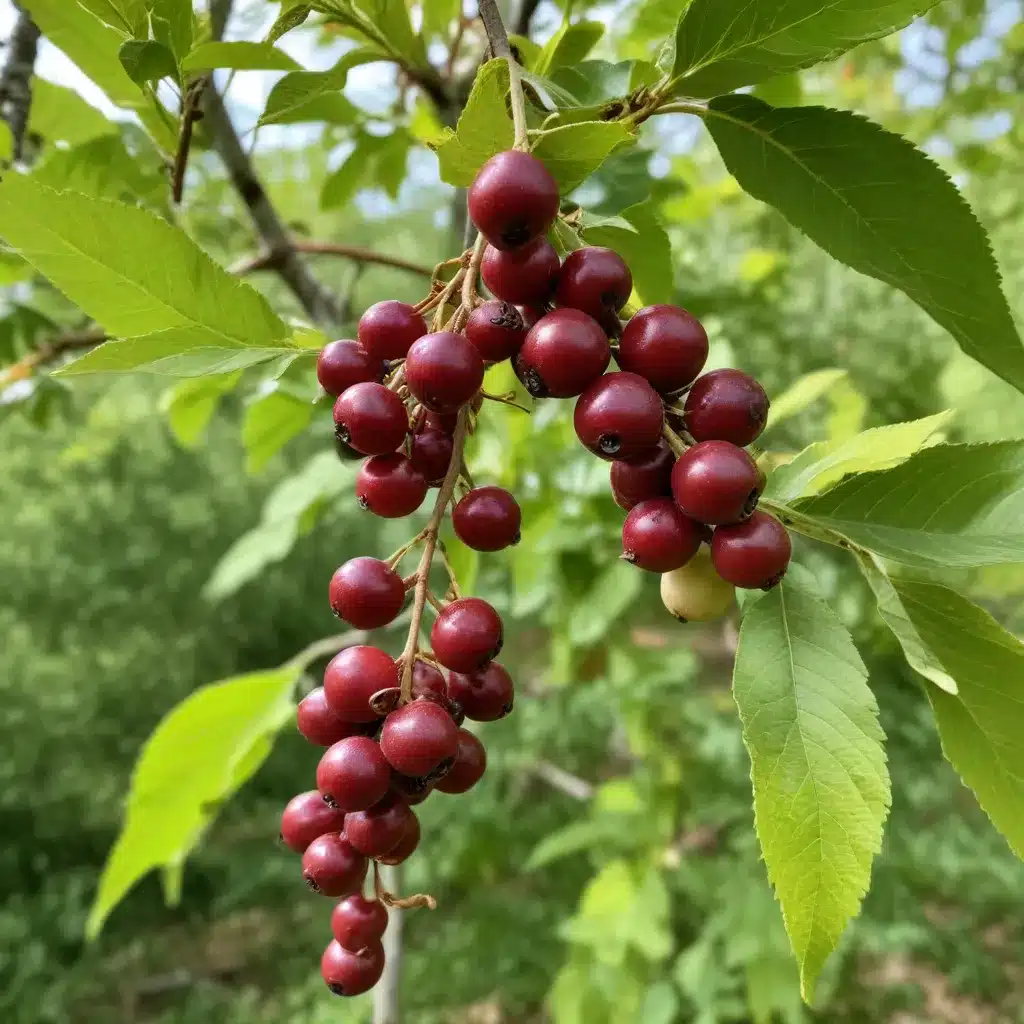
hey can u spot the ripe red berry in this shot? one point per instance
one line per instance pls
(487, 519)
(496, 330)
(620, 416)
(524, 276)
(443, 371)
(319, 723)
(658, 537)
(351, 974)
(595, 280)
(390, 487)
(754, 554)
(332, 866)
(418, 738)
(353, 774)
(344, 363)
(371, 419)
(413, 791)
(715, 482)
(467, 635)
(665, 345)
(388, 328)
(726, 405)
(428, 681)
(485, 695)
(564, 353)
(358, 923)
(446, 421)
(649, 476)
(379, 830)
(431, 454)
(513, 199)
(353, 676)
(470, 763)
(307, 817)
(366, 593)
(409, 842)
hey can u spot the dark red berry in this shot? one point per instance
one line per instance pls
(379, 830)
(466, 635)
(665, 345)
(371, 419)
(496, 330)
(726, 405)
(715, 482)
(353, 676)
(754, 554)
(319, 723)
(658, 537)
(353, 774)
(366, 593)
(443, 371)
(524, 276)
(485, 695)
(390, 487)
(564, 353)
(331, 866)
(388, 328)
(470, 763)
(307, 817)
(531, 314)
(620, 416)
(351, 974)
(418, 738)
(428, 681)
(595, 280)
(513, 199)
(358, 923)
(649, 476)
(412, 791)
(487, 519)
(446, 421)
(431, 454)
(344, 363)
(409, 842)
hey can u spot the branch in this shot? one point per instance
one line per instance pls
(51, 350)
(386, 992)
(270, 260)
(524, 15)
(190, 113)
(16, 77)
(498, 38)
(563, 781)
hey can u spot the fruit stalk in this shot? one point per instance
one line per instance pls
(497, 36)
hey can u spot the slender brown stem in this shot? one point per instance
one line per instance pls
(190, 113)
(49, 351)
(270, 260)
(16, 79)
(469, 294)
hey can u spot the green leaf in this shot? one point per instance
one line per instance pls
(438, 16)
(172, 24)
(573, 152)
(242, 56)
(596, 82)
(147, 61)
(782, 91)
(6, 142)
(606, 601)
(824, 463)
(484, 128)
(341, 185)
(190, 405)
(945, 507)
(390, 20)
(723, 44)
(292, 97)
(271, 421)
(101, 167)
(640, 238)
(131, 16)
(821, 788)
(873, 201)
(59, 114)
(803, 392)
(568, 46)
(187, 769)
(576, 837)
(289, 17)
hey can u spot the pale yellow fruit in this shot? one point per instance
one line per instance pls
(696, 593)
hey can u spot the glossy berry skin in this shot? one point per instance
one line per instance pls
(319, 723)
(665, 345)
(496, 330)
(358, 923)
(418, 738)
(366, 593)
(331, 866)
(648, 476)
(351, 974)
(344, 363)
(485, 695)
(371, 419)
(443, 371)
(387, 329)
(469, 767)
(408, 844)
(658, 537)
(428, 681)
(513, 199)
(487, 519)
(715, 482)
(446, 421)
(467, 635)
(380, 829)
(431, 454)
(412, 791)
(754, 554)
(696, 593)
(564, 353)
(726, 405)
(524, 276)
(305, 818)
(353, 774)
(595, 280)
(390, 487)
(353, 676)
(620, 416)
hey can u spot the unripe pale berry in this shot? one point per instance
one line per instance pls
(470, 764)
(344, 363)
(443, 371)
(366, 593)
(513, 199)
(496, 329)
(418, 738)
(564, 353)
(715, 482)
(332, 867)
(485, 695)
(595, 280)
(351, 974)
(353, 774)
(620, 416)
(390, 487)
(357, 923)
(353, 676)
(726, 405)
(371, 419)
(648, 476)
(466, 635)
(696, 593)
(307, 817)
(524, 276)
(754, 554)
(487, 519)
(665, 345)
(657, 536)
(387, 329)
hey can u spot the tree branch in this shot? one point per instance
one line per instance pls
(16, 79)
(269, 260)
(524, 15)
(51, 350)
(498, 38)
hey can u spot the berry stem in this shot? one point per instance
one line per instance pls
(497, 36)
(674, 441)
(453, 583)
(469, 293)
